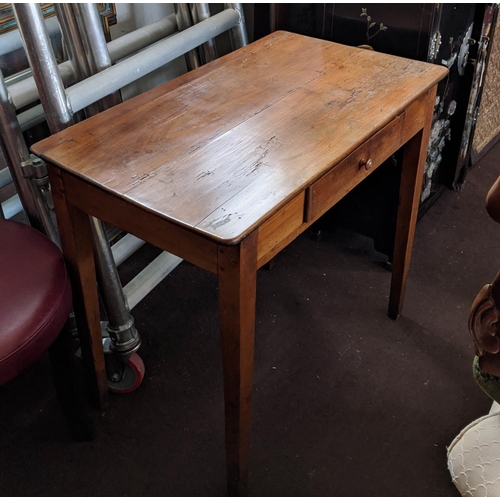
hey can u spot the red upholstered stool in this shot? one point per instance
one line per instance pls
(35, 303)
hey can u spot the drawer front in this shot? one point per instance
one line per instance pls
(347, 174)
(281, 229)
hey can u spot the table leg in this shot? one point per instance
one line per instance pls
(70, 398)
(237, 271)
(415, 152)
(76, 242)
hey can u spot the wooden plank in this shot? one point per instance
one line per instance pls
(142, 223)
(237, 271)
(76, 242)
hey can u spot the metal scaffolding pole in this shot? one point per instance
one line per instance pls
(95, 46)
(201, 12)
(138, 65)
(59, 116)
(238, 34)
(21, 167)
(74, 47)
(25, 91)
(43, 64)
(184, 21)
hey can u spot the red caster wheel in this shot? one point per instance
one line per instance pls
(131, 378)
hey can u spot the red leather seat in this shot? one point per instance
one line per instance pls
(35, 303)
(35, 296)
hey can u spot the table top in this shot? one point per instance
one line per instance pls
(222, 148)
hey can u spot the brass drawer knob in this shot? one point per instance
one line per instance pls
(366, 164)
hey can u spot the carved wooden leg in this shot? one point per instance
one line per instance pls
(76, 242)
(415, 152)
(237, 270)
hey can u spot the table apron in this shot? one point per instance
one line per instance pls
(146, 225)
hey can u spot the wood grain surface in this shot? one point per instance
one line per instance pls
(221, 150)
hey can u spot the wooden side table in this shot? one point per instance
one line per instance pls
(227, 165)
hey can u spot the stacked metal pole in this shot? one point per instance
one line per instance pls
(59, 115)
(21, 166)
(238, 34)
(200, 12)
(184, 21)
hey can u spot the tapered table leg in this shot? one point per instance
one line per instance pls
(76, 241)
(415, 152)
(237, 270)
(70, 398)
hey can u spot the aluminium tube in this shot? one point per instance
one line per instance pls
(184, 21)
(11, 206)
(238, 34)
(125, 247)
(201, 12)
(12, 40)
(149, 277)
(25, 92)
(94, 43)
(31, 117)
(43, 63)
(72, 41)
(141, 38)
(74, 47)
(124, 337)
(19, 162)
(60, 116)
(124, 72)
(92, 35)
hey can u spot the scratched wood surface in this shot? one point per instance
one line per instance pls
(223, 148)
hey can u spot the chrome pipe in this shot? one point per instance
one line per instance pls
(95, 46)
(184, 21)
(59, 115)
(20, 164)
(75, 48)
(25, 92)
(12, 39)
(124, 337)
(92, 35)
(201, 12)
(43, 63)
(127, 71)
(72, 41)
(238, 34)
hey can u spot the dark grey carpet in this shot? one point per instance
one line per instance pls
(346, 402)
